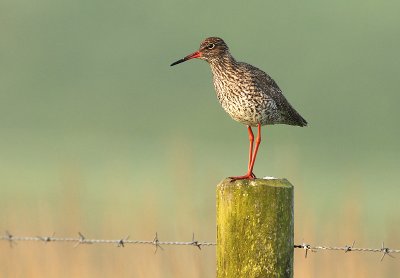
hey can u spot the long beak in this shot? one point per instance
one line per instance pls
(196, 54)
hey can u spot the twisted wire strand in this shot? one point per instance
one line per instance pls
(81, 239)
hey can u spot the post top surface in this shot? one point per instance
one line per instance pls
(268, 181)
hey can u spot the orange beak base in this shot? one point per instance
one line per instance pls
(196, 54)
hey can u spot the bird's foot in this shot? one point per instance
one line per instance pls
(248, 176)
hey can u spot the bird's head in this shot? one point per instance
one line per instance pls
(210, 49)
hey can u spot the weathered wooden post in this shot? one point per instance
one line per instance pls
(255, 228)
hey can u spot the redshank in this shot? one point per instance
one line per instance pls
(246, 93)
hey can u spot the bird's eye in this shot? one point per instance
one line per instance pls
(210, 46)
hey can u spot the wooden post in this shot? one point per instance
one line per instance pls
(255, 228)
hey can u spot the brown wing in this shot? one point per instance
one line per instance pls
(271, 90)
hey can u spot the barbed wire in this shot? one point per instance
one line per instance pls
(81, 239)
(347, 248)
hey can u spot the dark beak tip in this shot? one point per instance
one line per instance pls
(178, 62)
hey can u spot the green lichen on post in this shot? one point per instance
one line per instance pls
(255, 228)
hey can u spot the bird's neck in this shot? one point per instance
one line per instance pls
(223, 64)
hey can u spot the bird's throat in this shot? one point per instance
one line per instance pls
(223, 64)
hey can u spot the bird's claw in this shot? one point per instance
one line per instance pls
(248, 176)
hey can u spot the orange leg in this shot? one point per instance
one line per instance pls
(251, 140)
(258, 141)
(252, 155)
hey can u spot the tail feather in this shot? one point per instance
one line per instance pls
(301, 121)
(295, 118)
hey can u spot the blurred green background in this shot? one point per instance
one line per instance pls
(99, 135)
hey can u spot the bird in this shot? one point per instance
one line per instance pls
(248, 94)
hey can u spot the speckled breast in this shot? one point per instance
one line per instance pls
(244, 104)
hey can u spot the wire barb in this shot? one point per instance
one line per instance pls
(349, 248)
(195, 242)
(82, 240)
(385, 251)
(156, 242)
(306, 247)
(121, 242)
(10, 238)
